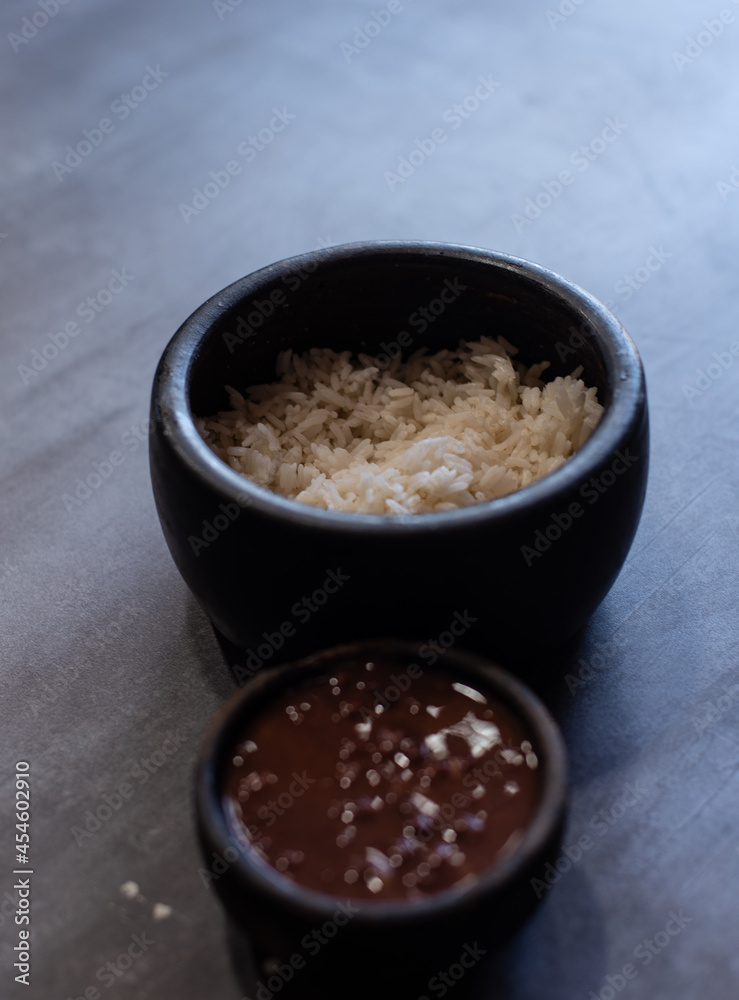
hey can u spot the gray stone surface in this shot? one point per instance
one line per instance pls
(108, 662)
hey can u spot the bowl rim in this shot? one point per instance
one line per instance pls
(319, 906)
(171, 390)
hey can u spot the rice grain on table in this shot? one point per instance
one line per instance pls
(431, 433)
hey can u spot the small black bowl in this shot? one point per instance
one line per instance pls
(379, 945)
(276, 577)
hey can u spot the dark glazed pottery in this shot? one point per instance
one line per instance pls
(379, 945)
(279, 579)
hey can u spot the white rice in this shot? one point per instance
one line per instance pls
(432, 433)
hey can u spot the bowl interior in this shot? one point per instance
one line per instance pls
(391, 300)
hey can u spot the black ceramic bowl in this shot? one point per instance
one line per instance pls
(278, 577)
(393, 943)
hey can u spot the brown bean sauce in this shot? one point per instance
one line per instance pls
(379, 781)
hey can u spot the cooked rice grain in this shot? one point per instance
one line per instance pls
(432, 433)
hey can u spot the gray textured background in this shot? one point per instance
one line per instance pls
(106, 657)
